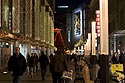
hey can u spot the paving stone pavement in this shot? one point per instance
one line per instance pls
(6, 78)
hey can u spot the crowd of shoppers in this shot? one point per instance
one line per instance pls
(32, 63)
(56, 62)
(118, 59)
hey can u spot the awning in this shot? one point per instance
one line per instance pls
(118, 33)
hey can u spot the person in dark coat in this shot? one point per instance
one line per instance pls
(17, 65)
(121, 58)
(51, 57)
(28, 63)
(36, 62)
(59, 65)
(114, 59)
(44, 61)
(32, 65)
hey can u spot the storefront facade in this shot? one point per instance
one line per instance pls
(24, 23)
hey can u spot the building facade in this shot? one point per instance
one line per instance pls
(28, 24)
(117, 26)
(77, 28)
(116, 23)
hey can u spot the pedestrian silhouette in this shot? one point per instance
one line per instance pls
(59, 66)
(44, 61)
(17, 65)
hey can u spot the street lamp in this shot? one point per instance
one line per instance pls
(104, 52)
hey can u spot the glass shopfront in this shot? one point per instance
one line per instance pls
(5, 52)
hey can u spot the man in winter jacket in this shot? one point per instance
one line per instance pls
(59, 65)
(17, 65)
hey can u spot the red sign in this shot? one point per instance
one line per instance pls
(98, 23)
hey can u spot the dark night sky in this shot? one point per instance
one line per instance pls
(70, 3)
(60, 17)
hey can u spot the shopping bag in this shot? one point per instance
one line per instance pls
(67, 74)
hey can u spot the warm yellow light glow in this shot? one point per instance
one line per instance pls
(93, 38)
(89, 42)
(104, 27)
(10, 35)
(87, 46)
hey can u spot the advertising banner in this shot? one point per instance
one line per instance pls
(116, 69)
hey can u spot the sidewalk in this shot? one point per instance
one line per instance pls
(6, 78)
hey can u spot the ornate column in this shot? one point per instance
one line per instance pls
(42, 24)
(27, 16)
(37, 8)
(30, 25)
(52, 31)
(49, 29)
(46, 23)
(15, 16)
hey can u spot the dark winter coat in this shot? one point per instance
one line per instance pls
(32, 61)
(59, 63)
(51, 57)
(44, 61)
(17, 64)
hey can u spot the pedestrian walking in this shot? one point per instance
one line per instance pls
(114, 59)
(59, 66)
(32, 65)
(51, 58)
(44, 61)
(36, 62)
(17, 65)
(28, 63)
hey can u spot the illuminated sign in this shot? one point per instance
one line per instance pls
(77, 22)
(98, 23)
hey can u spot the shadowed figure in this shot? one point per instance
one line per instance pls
(44, 61)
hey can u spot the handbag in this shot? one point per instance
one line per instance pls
(67, 74)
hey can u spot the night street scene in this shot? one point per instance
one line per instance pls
(62, 41)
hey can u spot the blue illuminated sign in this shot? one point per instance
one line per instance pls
(77, 22)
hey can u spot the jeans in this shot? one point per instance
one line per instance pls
(16, 79)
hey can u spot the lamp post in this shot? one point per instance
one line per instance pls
(93, 58)
(104, 47)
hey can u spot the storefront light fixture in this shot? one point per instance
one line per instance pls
(63, 6)
(7, 44)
